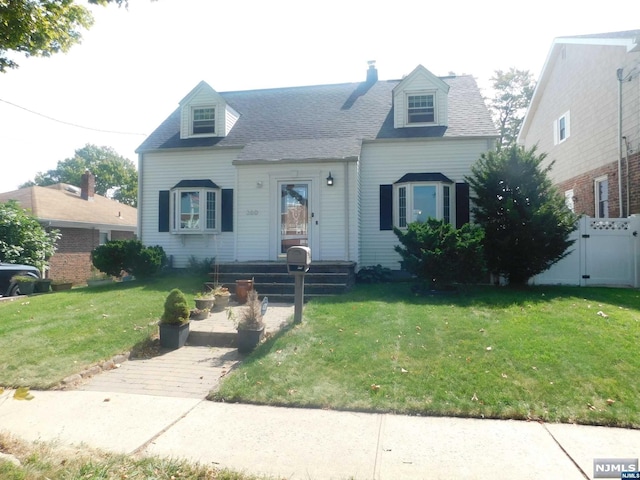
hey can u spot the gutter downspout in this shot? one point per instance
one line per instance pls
(140, 177)
(619, 76)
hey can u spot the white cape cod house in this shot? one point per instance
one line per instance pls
(242, 176)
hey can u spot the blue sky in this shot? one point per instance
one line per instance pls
(133, 67)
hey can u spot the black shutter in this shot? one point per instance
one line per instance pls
(163, 210)
(386, 207)
(226, 224)
(462, 204)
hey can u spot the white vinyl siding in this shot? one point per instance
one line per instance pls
(385, 162)
(160, 174)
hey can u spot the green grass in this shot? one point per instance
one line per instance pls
(45, 338)
(544, 353)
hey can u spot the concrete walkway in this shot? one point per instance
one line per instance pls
(156, 407)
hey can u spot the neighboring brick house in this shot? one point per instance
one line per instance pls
(84, 219)
(585, 115)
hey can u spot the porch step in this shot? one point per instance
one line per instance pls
(272, 280)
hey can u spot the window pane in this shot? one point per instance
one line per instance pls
(204, 120)
(189, 210)
(603, 198)
(421, 109)
(424, 203)
(563, 131)
(211, 210)
(402, 207)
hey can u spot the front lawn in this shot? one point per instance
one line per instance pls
(45, 338)
(551, 353)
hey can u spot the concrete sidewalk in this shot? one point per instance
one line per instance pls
(156, 406)
(314, 444)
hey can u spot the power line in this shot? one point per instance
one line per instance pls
(70, 123)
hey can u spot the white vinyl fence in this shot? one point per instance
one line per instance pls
(606, 252)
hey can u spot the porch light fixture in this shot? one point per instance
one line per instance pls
(330, 180)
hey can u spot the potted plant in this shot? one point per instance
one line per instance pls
(174, 323)
(26, 283)
(98, 278)
(43, 285)
(222, 296)
(199, 313)
(205, 300)
(250, 324)
(58, 285)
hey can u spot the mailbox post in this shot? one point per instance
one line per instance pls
(298, 261)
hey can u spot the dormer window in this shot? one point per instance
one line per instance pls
(203, 121)
(421, 108)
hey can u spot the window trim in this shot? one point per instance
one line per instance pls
(203, 210)
(433, 95)
(596, 196)
(407, 216)
(562, 128)
(192, 121)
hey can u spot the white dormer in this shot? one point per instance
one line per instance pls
(205, 113)
(420, 100)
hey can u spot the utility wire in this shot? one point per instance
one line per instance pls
(69, 123)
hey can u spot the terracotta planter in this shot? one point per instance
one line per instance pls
(242, 290)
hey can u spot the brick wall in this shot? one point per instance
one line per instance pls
(72, 260)
(584, 193)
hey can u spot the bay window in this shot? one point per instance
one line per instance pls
(421, 196)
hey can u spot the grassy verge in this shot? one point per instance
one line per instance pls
(550, 353)
(44, 338)
(48, 461)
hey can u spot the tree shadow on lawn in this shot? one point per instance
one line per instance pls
(485, 295)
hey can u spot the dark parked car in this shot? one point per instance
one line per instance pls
(7, 271)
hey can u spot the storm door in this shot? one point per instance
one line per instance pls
(294, 215)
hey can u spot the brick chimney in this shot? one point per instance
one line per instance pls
(372, 72)
(88, 187)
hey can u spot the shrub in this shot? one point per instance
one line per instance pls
(204, 265)
(130, 256)
(176, 309)
(373, 274)
(526, 221)
(439, 255)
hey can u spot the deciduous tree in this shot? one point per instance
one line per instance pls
(513, 90)
(41, 28)
(23, 239)
(116, 176)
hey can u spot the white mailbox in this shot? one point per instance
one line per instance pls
(298, 260)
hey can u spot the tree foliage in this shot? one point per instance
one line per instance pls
(23, 239)
(116, 176)
(525, 219)
(513, 90)
(439, 255)
(40, 28)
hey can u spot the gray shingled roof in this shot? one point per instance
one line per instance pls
(325, 121)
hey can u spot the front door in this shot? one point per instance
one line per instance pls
(294, 215)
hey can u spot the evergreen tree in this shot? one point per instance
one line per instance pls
(525, 219)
